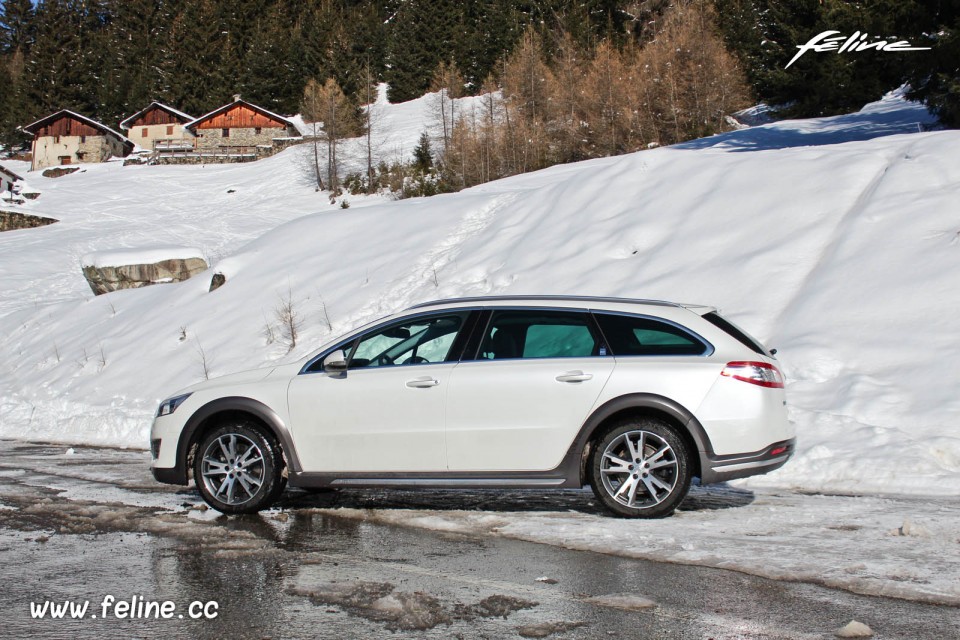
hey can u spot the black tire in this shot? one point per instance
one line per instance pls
(660, 489)
(235, 457)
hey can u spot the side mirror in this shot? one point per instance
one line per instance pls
(335, 362)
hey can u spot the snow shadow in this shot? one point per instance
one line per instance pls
(880, 119)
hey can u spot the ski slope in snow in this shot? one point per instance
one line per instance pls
(835, 240)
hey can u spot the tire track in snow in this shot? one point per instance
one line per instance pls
(404, 292)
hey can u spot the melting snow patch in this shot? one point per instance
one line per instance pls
(854, 629)
(627, 602)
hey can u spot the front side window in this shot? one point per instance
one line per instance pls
(637, 336)
(540, 334)
(422, 340)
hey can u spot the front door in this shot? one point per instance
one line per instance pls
(386, 412)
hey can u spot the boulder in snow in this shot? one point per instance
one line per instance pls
(108, 271)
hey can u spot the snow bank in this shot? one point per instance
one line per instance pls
(834, 240)
(145, 255)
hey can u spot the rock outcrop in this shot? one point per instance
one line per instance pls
(104, 277)
(12, 220)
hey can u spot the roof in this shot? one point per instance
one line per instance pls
(10, 173)
(226, 107)
(516, 298)
(34, 126)
(180, 114)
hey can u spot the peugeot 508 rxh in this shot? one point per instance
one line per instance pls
(634, 398)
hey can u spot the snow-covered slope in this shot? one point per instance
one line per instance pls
(843, 255)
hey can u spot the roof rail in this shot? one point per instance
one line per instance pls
(660, 303)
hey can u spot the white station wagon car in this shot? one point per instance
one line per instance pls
(632, 397)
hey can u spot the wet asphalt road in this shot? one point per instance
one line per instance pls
(93, 524)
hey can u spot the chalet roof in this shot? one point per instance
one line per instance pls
(227, 107)
(3, 169)
(33, 127)
(185, 117)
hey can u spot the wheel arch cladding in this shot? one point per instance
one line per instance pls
(219, 411)
(643, 405)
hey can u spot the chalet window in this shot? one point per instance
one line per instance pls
(144, 133)
(258, 130)
(83, 139)
(225, 133)
(169, 130)
(64, 159)
(56, 139)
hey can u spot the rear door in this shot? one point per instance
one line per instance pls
(518, 405)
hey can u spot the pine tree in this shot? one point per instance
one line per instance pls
(423, 34)
(16, 26)
(936, 76)
(422, 155)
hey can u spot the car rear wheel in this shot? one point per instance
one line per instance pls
(641, 468)
(238, 468)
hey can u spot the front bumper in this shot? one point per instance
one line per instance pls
(716, 468)
(176, 475)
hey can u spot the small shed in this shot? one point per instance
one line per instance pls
(66, 137)
(159, 128)
(240, 130)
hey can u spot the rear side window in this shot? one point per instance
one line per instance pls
(637, 336)
(735, 332)
(539, 334)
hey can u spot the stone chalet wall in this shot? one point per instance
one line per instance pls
(243, 145)
(213, 139)
(47, 150)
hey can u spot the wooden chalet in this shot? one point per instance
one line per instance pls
(159, 128)
(240, 131)
(66, 137)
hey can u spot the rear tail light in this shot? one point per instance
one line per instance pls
(758, 373)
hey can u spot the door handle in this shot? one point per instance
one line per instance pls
(574, 376)
(422, 383)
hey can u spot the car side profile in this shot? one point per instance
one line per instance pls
(635, 398)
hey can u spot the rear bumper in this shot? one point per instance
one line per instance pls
(741, 465)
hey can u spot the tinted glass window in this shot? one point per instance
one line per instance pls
(735, 332)
(539, 334)
(633, 336)
(420, 341)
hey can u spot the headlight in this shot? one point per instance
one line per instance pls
(170, 405)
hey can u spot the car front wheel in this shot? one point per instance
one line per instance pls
(238, 468)
(641, 468)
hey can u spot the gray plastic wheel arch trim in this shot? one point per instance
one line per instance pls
(180, 474)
